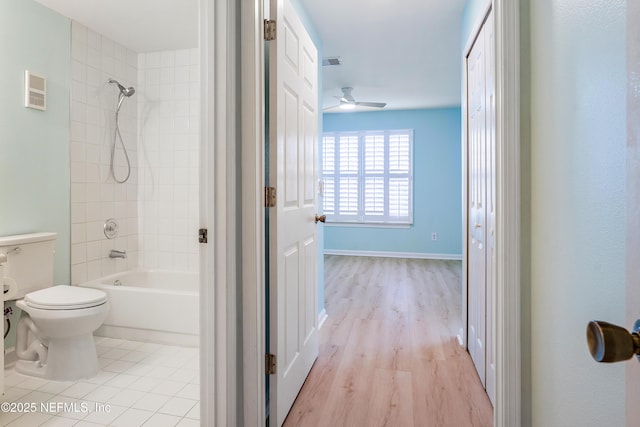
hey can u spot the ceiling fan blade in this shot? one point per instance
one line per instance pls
(371, 104)
(330, 108)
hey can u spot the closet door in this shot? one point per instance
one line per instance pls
(480, 68)
(477, 255)
(490, 116)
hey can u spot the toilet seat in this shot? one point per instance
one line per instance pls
(64, 297)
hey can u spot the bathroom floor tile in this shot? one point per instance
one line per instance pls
(177, 406)
(79, 389)
(118, 366)
(194, 413)
(187, 422)
(141, 384)
(169, 388)
(127, 398)
(145, 384)
(102, 377)
(11, 394)
(151, 402)
(107, 415)
(55, 387)
(115, 353)
(132, 417)
(190, 391)
(162, 420)
(103, 393)
(30, 420)
(122, 380)
(59, 422)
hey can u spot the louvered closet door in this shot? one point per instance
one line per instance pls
(481, 203)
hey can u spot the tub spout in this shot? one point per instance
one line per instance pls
(117, 254)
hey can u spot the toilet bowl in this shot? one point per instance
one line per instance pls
(55, 332)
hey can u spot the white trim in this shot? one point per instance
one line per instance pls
(322, 317)
(253, 233)
(146, 335)
(384, 254)
(218, 334)
(508, 392)
(367, 225)
(507, 331)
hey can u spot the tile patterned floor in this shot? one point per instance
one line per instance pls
(140, 384)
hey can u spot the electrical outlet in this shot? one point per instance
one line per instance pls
(434, 236)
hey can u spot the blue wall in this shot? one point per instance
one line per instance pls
(437, 184)
(473, 12)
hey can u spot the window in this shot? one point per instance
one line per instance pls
(368, 176)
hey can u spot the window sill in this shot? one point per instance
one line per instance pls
(367, 225)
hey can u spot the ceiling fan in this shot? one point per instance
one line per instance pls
(348, 102)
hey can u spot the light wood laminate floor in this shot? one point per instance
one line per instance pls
(389, 355)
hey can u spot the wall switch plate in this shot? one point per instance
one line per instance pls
(434, 236)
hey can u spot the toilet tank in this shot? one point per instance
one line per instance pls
(29, 261)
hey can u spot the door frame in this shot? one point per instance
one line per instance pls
(507, 333)
(219, 368)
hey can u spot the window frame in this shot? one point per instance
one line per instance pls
(331, 179)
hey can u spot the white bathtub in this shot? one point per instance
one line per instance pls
(151, 305)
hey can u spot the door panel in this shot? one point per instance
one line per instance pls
(490, 133)
(292, 231)
(477, 196)
(481, 203)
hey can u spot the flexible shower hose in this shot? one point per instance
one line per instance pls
(117, 135)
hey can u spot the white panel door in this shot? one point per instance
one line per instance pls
(293, 88)
(477, 185)
(482, 203)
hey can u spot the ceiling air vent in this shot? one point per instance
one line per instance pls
(331, 61)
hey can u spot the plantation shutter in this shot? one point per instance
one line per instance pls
(368, 176)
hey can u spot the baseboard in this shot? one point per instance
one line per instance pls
(145, 335)
(383, 254)
(322, 317)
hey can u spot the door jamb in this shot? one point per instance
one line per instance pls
(507, 305)
(507, 330)
(219, 369)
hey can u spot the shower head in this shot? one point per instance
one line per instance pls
(126, 91)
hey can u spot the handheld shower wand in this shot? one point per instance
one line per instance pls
(124, 92)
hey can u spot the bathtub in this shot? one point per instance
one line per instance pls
(151, 305)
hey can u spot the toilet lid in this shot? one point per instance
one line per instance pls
(64, 297)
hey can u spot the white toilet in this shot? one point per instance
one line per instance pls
(55, 330)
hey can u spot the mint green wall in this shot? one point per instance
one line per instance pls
(34, 145)
(437, 183)
(578, 204)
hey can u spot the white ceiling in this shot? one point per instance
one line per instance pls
(406, 53)
(140, 25)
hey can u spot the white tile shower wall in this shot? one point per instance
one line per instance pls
(95, 196)
(168, 119)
